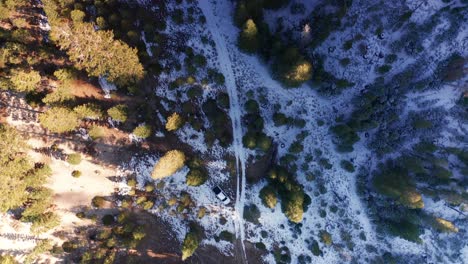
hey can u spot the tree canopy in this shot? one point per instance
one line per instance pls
(59, 120)
(25, 81)
(98, 52)
(168, 164)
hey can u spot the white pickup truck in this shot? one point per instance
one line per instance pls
(221, 195)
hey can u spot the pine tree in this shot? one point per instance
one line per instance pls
(25, 81)
(189, 245)
(167, 165)
(174, 122)
(89, 111)
(118, 113)
(59, 120)
(248, 38)
(98, 53)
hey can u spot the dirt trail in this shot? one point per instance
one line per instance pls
(235, 113)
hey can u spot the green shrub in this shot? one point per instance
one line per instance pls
(76, 173)
(142, 131)
(149, 187)
(98, 201)
(74, 158)
(167, 165)
(325, 163)
(174, 122)
(405, 230)
(249, 140)
(291, 68)
(315, 248)
(326, 237)
(252, 213)
(118, 113)
(131, 182)
(293, 206)
(227, 236)
(347, 166)
(268, 196)
(80, 215)
(251, 106)
(141, 200)
(196, 177)
(91, 111)
(395, 183)
(346, 137)
(96, 132)
(264, 142)
(420, 123)
(280, 119)
(148, 205)
(296, 147)
(108, 220)
(189, 245)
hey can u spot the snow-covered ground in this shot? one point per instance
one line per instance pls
(246, 75)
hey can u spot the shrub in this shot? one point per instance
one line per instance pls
(141, 200)
(76, 173)
(292, 68)
(420, 123)
(293, 206)
(325, 163)
(280, 119)
(98, 201)
(445, 225)
(249, 140)
(196, 177)
(226, 236)
(384, 69)
(74, 158)
(80, 215)
(118, 113)
(149, 187)
(167, 165)
(326, 237)
(189, 245)
(395, 183)
(346, 137)
(7, 259)
(201, 212)
(96, 132)
(142, 131)
(268, 196)
(264, 142)
(90, 111)
(252, 213)
(347, 166)
(131, 182)
(251, 106)
(296, 147)
(138, 233)
(148, 205)
(77, 16)
(174, 122)
(108, 220)
(45, 222)
(405, 230)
